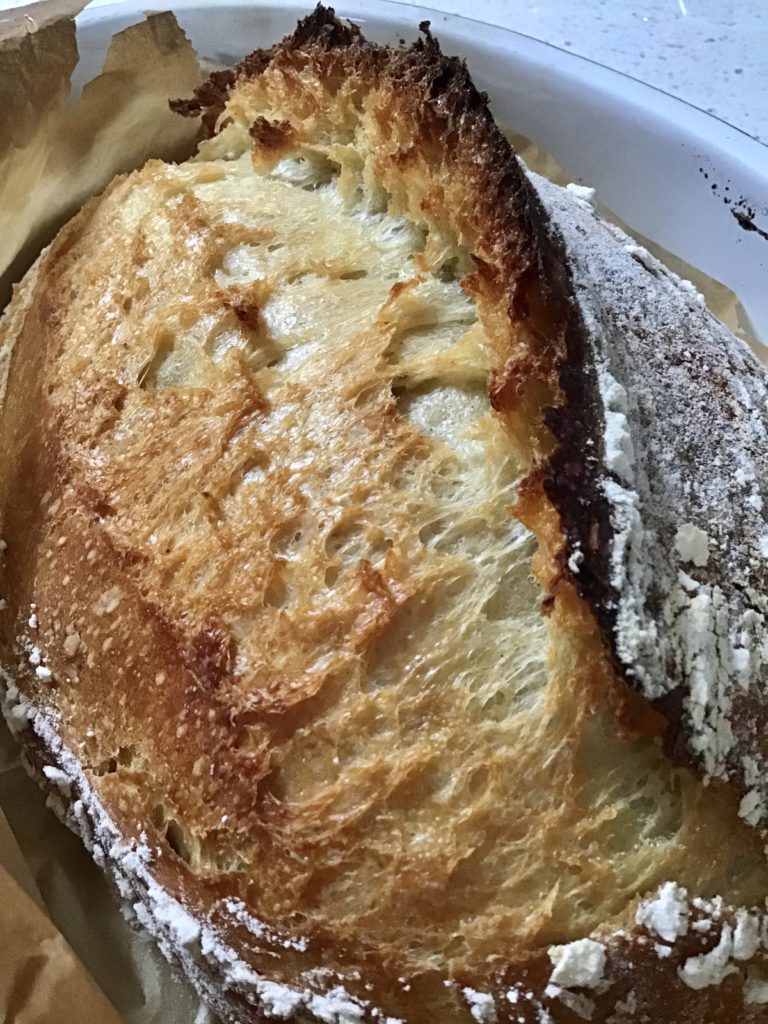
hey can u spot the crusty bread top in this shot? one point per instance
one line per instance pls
(638, 511)
(267, 415)
(668, 526)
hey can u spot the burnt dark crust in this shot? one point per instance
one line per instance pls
(573, 471)
(320, 30)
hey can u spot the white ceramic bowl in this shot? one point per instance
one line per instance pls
(664, 167)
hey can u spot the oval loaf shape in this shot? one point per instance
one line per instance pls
(385, 567)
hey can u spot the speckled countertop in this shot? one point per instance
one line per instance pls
(711, 53)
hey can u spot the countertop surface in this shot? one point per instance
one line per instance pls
(710, 53)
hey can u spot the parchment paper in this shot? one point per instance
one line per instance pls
(47, 983)
(53, 157)
(55, 905)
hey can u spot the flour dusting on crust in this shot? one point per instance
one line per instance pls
(679, 582)
(182, 938)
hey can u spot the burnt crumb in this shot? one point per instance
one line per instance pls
(271, 134)
(320, 28)
(323, 27)
(208, 99)
(247, 313)
(746, 221)
(211, 656)
(319, 31)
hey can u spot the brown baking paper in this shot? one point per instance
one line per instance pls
(68, 955)
(54, 157)
(79, 914)
(41, 979)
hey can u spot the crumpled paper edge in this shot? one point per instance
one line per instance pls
(53, 157)
(20, 22)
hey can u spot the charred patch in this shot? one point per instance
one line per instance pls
(321, 28)
(248, 313)
(274, 135)
(211, 656)
(747, 222)
(208, 99)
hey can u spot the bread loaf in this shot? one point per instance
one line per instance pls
(385, 567)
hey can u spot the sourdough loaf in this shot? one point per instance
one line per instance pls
(385, 567)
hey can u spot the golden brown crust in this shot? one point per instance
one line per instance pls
(201, 778)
